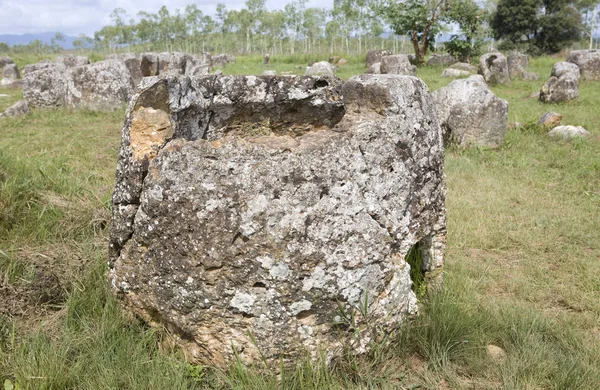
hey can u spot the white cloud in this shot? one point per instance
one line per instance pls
(72, 17)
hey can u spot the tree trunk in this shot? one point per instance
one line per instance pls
(592, 28)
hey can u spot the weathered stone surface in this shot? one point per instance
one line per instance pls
(5, 61)
(563, 84)
(103, 85)
(199, 69)
(441, 59)
(11, 71)
(20, 108)
(588, 62)
(14, 84)
(246, 209)
(134, 66)
(70, 61)
(451, 72)
(149, 64)
(321, 68)
(464, 66)
(470, 114)
(269, 73)
(221, 60)
(37, 66)
(494, 68)
(266, 59)
(398, 64)
(374, 68)
(374, 56)
(517, 64)
(46, 86)
(569, 132)
(174, 63)
(133, 63)
(550, 119)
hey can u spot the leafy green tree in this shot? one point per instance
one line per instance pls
(82, 42)
(470, 19)
(419, 19)
(516, 21)
(56, 40)
(560, 25)
(4, 48)
(536, 25)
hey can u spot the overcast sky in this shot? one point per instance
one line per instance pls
(73, 17)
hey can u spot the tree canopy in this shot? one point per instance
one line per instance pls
(538, 26)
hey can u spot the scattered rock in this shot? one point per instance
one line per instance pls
(266, 59)
(569, 132)
(450, 72)
(563, 84)
(45, 85)
(221, 60)
(342, 62)
(71, 61)
(322, 68)
(441, 59)
(588, 62)
(10, 72)
(37, 66)
(496, 354)
(248, 209)
(550, 119)
(149, 64)
(517, 63)
(374, 56)
(398, 64)
(269, 73)
(198, 70)
(103, 85)
(20, 108)
(531, 76)
(464, 66)
(5, 61)
(374, 68)
(494, 68)
(470, 114)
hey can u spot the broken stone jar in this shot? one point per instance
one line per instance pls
(269, 218)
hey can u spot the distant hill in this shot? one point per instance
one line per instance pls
(24, 39)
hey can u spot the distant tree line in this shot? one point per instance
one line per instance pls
(352, 27)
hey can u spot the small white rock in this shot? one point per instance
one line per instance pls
(569, 132)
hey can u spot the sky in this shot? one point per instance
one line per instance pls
(72, 17)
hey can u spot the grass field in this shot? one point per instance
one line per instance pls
(522, 267)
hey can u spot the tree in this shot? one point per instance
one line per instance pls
(419, 19)
(590, 11)
(559, 26)
(82, 42)
(56, 40)
(294, 13)
(536, 25)
(470, 19)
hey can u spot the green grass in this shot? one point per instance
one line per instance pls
(522, 267)
(291, 64)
